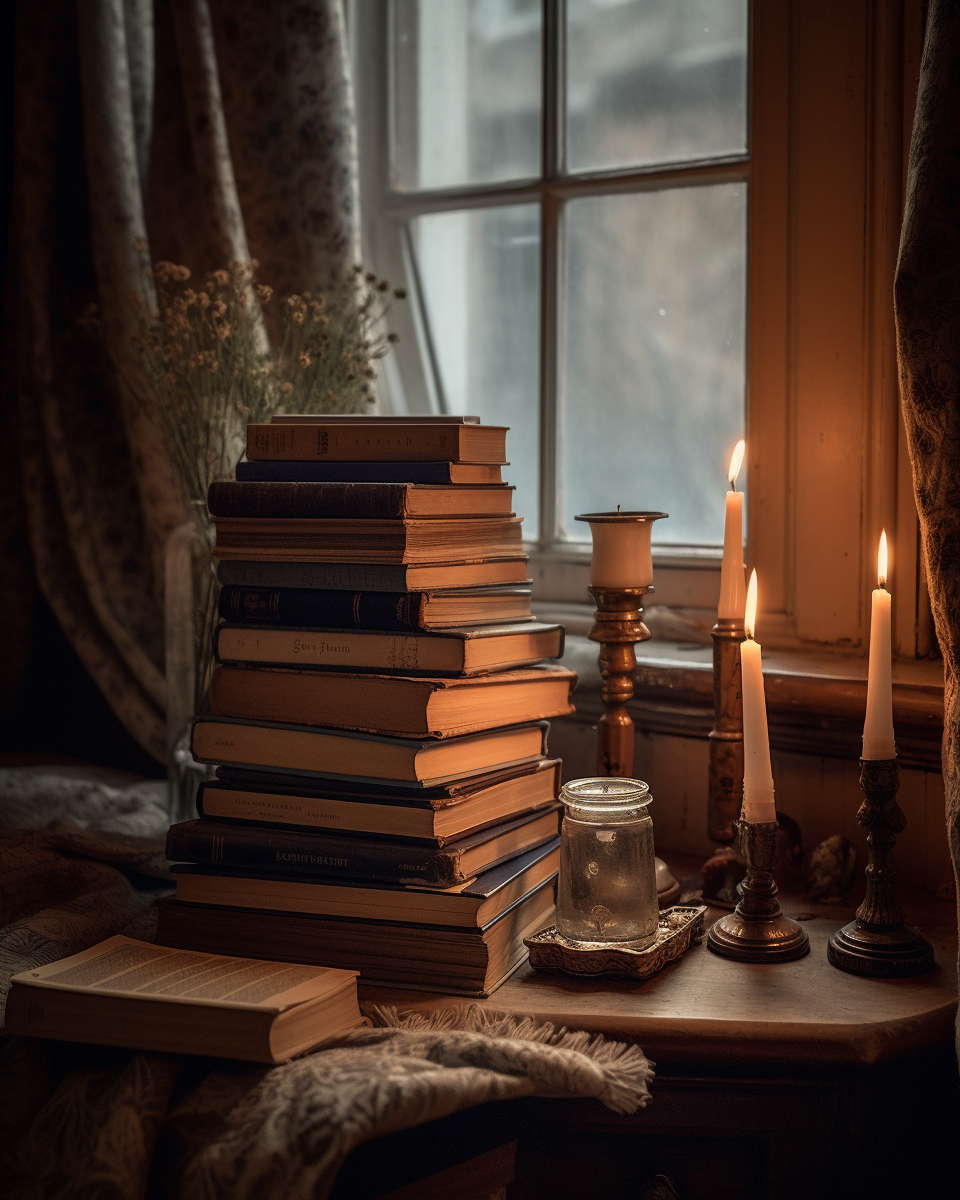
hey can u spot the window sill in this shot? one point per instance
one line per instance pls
(816, 698)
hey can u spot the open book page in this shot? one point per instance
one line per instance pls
(122, 966)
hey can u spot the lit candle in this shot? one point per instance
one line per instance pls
(878, 727)
(758, 802)
(622, 556)
(732, 590)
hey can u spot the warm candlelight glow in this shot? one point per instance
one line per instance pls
(750, 614)
(882, 559)
(736, 462)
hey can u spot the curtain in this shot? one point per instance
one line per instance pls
(196, 131)
(927, 299)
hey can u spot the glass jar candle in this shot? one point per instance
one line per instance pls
(607, 891)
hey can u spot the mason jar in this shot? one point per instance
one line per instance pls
(607, 890)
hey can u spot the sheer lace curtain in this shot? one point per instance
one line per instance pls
(198, 131)
(927, 293)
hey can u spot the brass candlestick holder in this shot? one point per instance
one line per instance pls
(879, 942)
(617, 626)
(757, 930)
(726, 738)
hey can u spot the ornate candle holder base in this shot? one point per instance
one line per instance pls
(617, 626)
(879, 943)
(758, 930)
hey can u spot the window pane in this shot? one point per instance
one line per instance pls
(480, 272)
(655, 81)
(466, 103)
(655, 356)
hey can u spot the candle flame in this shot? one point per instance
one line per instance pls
(882, 559)
(736, 462)
(750, 614)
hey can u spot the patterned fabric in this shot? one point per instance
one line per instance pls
(187, 130)
(80, 861)
(928, 333)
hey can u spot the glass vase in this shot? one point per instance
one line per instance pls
(191, 592)
(607, 890)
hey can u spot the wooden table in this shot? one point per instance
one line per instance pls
(793, 1079)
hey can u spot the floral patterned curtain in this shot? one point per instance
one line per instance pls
(927, 295)
(197, 131)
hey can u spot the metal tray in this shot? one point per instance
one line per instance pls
(679, 927)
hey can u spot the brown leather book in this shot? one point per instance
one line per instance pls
(437, 540)
(339, 441)
(468, 962)
(470, 651)
(374, 577)
(432, 817)
(414, 762)
(384, 501)
(123, 992)
(405, 706)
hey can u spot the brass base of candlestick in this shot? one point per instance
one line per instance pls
(879, 943)
(725, 780)
(758, 930)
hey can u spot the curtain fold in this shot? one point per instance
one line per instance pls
(927, 301)
(184, 130)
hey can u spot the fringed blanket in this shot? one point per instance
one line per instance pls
(78, 1121)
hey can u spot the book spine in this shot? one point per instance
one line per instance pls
(347, 577)
(341, 443)
(338, 500)
(310, 856)
(330, 648)
(392, 611)
(278, 471)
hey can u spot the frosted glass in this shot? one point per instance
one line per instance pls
(479, 271)
(466, 95)
(654, 361)
(655, 81)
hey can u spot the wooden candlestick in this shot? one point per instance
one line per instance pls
(617, 626)
(725, 786)
(879, 942)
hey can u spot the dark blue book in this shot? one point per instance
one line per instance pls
(285, 471)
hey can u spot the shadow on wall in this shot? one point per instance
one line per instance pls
(60, 710)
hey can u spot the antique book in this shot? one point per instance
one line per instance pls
(470, 905)
(403, 612)
(435, 817)
(305, 749)
(470, 651)
(429, 540)
(375, 577)
(320, 853)
(122, 992)
(469, 962)
(384, 501)
(404, 706)
(370, 419)
(335, 441)
(280, 471)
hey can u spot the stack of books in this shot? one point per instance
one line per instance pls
(379, 711)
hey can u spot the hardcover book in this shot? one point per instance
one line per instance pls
(434, 817)
(374, 577)
(468, 962)
(297, 853)
(407, 706)
(471, 651)
(435, 540)
(368, 472)
(365, 441)
(470, 905)
(403, 612)
(414, 762)
(123, 992)
(336, 501)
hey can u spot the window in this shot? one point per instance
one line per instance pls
(632, 228)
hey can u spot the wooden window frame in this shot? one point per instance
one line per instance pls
(831, 98)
